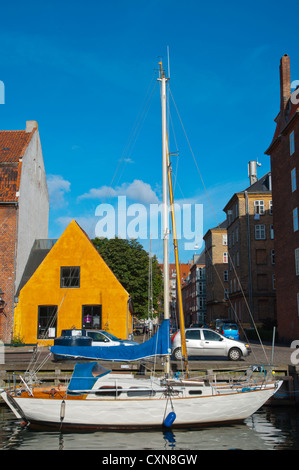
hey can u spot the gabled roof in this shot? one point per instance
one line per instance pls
(42, 248)
(263, 185)
(13, 145)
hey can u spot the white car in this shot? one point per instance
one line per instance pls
(103, 338)
(206, 342)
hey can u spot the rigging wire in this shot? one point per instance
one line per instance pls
(213, 211)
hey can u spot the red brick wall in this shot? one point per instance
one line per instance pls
(8, 233)
(285, 239)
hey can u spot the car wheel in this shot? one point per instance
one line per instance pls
(178, 354)
(234, 354)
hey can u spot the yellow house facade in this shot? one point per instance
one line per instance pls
(71, 288)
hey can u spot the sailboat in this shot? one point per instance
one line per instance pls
(96, 398)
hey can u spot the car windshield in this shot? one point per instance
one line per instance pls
(110, 336)
(230, 327)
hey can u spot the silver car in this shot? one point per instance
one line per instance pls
(206, 342)
(103, 338)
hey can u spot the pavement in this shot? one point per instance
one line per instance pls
(283, 356)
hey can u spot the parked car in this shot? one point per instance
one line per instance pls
(230, 330)
(103, 338)
(206, 342)
(219, 323)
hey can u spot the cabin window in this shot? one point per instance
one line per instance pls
(135, 392)
(47, 321)
(107, 391)
(92, 316)
(195, 392)
(70, 276)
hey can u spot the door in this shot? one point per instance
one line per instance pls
(213, 344)
(193, 342)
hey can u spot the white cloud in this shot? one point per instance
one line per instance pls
(138, 191)
(57, 187)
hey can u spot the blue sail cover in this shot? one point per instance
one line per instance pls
(157, 345)
(85, 376)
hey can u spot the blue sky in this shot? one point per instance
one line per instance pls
(87, 72)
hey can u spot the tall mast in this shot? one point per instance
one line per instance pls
(165, 206)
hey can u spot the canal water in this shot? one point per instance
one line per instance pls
(271, 428)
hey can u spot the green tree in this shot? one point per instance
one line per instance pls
(129, 262)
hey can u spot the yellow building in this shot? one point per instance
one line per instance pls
(72, 287)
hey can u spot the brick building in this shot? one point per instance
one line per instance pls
(184, 271)
(24, 211)
(194, 292)
(251, 262)
(284, 153)
(217, 286)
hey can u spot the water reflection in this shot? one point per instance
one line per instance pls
(270, 428)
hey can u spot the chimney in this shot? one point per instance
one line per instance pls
(285, 82)
(30, 125)
(252, 173)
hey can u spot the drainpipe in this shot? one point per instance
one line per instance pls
(249, 254)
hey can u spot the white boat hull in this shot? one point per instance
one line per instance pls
(140, 413)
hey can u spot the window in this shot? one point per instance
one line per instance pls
(273, 282)
(226, 293)
(224, 239)
(271, 231)
(292, 143)
(293, 180)
(193, 334)
(298, 304)
(295, 219)
(270, 207)
(229, 216)
(297, 261)
(211, 336)
(92, 316)
(47, 321)
(272, 257)
(225, 275)
(141, 392)
(259, 207)
(70, 276)
(260, 232)
(225, 257)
